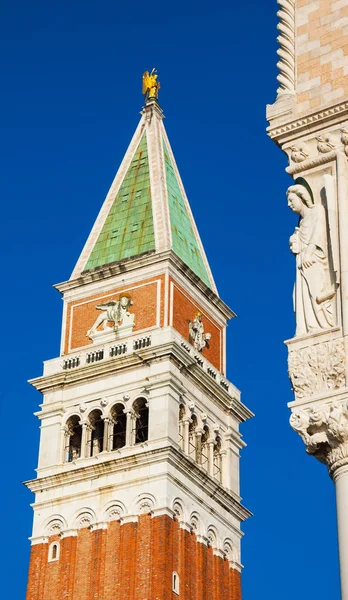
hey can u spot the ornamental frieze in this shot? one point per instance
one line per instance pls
(317, 369)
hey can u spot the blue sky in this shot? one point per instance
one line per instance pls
(71, 94)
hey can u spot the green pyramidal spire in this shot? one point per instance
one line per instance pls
(128, 229)
(146, 210)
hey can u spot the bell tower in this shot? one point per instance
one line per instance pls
(137, 489)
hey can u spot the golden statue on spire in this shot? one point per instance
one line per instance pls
(151, 85)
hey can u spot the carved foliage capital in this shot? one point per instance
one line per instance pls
(324, 430)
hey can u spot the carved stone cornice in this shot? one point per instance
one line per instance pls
(131, 264)
(69, 476)
(170, 350)
(324, 430)
(313, 121)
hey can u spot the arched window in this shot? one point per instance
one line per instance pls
(217, 458)
(175, 583)
(141, 410)
(192, 437)
(73, 439)
(181, 426)
(53, 552)
(204, 458)
(118, 434)
(96, 433)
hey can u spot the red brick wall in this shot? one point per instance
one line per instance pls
(134, 561)
(184, 308)
(81, 314)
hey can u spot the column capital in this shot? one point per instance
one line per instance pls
(324, 430)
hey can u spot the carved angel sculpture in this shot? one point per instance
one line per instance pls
(115, 311)
(150, 84)
(198, 338)
(314, 289)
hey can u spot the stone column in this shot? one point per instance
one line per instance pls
(186, 435)
(64, 445)
(324, 430)
(211, 443)
(107, 423)
(340, 478)
(198, 434)
(86, 428)
(129, 430)
(181, 434)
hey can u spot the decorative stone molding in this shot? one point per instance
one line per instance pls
(317, 369)
(195, 523)
(55, 526)
(311, 163)
(85, 519)
(286, 50)
(212, 536)
(314, 120)
(178, 509)
(115, 512)
(229, 551)
(144, 504)
(324, 430)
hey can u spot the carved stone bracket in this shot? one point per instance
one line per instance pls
(317, 369)
(324, 430)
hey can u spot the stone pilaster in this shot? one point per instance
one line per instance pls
(309, 122)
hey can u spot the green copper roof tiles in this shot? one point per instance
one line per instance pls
(184, 241)
(128, 229)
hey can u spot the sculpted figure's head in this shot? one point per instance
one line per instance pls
(125, 301)
(299, 196)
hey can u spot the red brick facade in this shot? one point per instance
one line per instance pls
(81, 314)
(148, 299)
(184, 307)
(134, 561)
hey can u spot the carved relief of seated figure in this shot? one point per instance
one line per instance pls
(116, 312)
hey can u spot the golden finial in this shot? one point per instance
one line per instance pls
(151, 85)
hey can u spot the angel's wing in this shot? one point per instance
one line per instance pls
(146, 77)
(333, 227)
(107, 304)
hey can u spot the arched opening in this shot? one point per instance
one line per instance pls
(141, 410)
(175, 583)
(192, 437)
(96, 433)
(204, 458)
(118, 434)
(217, 458)
(73, 439)
(53, 551)
(181, 426)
